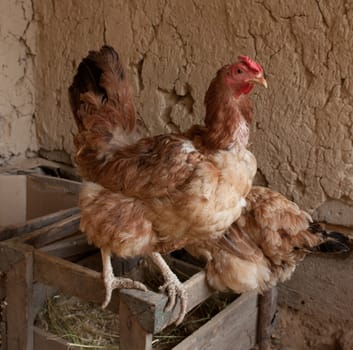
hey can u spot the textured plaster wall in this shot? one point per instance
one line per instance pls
(303, 128)
(17, 93)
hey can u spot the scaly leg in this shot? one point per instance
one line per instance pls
(173, 287)
(111, 282)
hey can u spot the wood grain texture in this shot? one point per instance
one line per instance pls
(19, 316)
(132, 335)
(11, 252)
(232, 328)
(267, 306)
(69, 247)
(53, 232)
(71, 278)
(36, 224)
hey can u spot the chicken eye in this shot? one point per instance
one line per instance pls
(239, 71)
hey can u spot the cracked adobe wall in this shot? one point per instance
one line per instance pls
(17, 94)
(302, 132)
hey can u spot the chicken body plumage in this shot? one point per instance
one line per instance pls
(181, 189)
(202, 206)
(264, 246)
(156, 194)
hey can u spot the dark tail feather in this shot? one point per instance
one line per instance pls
(101, 73)
(334, 242)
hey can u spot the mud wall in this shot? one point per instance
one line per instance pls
(17, 91)
(302, 133)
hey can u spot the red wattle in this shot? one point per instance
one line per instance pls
(246, 89)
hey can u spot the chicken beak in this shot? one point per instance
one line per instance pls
(260, 80)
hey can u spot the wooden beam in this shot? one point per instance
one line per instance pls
(72, 279)
(37, 223)
(232, 328)
(69, 247)
(53, 232)
(148, 307)
(19, 316)
(267, 308)
(182, 266)
(132, 335)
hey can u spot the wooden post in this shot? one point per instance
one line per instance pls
(3, 336)
(148, 307)
(132, 335)
(267, 305)
(19, 316)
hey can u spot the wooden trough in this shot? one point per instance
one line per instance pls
(46, 259)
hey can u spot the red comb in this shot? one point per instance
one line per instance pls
(250, 64)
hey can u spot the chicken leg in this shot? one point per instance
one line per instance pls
(111, 282)
(173, 287)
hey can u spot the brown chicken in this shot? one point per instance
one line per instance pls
(265, 244)
(151, 195)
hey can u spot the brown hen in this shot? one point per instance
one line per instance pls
(265, 244)
(152, 195)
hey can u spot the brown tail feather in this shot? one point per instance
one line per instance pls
(101, 78)
(103, 108)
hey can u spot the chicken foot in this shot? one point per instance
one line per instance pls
(111, 282)
(172, 286)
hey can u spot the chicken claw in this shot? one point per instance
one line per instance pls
(172, 286)
(111, 282)
(175, 288)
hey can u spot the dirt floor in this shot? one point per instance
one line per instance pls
(296, 331)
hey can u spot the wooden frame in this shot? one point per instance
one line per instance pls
(26, 261)
(35, 224)
(45, 185)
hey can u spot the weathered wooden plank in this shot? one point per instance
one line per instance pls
(69, 247)
(182, 266)
(37, 223)
(46, 341)
(69, 277)
(3, 333)
(232, 328)
(132, 335)
(52, 232)
(19, 314)
(267, 303)
(11, 257)
(274, 303)
(11, 253)
(93, 261)
(148, 307)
